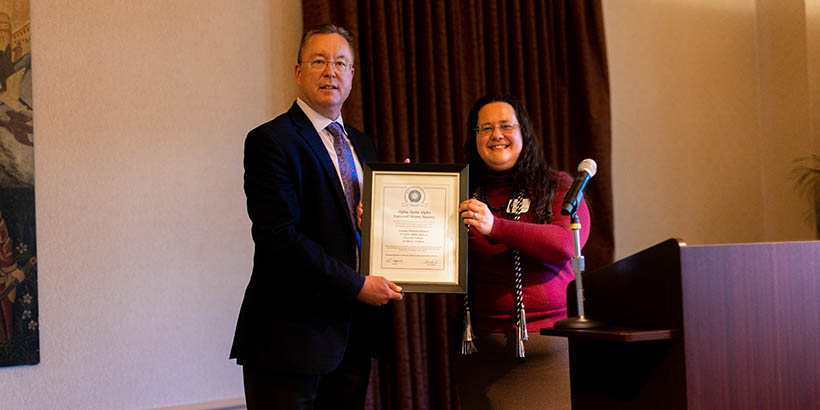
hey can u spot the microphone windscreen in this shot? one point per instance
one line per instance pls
(589, 166)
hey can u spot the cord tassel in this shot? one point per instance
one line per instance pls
(467, 344)
(521, 335)
(521, 332)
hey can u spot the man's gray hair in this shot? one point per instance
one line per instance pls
(325, 29)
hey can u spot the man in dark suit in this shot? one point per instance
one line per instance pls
(305, 333)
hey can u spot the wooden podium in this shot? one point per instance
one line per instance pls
(700, 327)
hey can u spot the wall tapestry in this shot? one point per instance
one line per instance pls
(19, 330)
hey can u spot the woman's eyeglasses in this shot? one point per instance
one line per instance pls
(507, 128)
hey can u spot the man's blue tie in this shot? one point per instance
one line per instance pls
(347, 169)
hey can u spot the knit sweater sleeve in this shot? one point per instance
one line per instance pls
(547, 242)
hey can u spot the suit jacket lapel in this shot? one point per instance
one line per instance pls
(312, 139)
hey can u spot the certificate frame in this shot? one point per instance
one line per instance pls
(412, 233)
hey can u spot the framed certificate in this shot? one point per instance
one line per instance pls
(411, 231)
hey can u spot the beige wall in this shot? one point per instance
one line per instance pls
(813, 57)
(141, 108)
(710, 106)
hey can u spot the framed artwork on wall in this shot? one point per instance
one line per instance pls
(19, 325)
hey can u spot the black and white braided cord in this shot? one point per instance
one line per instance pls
(468, 338)
(520, 313)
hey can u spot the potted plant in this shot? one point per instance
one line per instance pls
(807, 181)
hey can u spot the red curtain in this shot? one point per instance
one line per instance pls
(420, 65)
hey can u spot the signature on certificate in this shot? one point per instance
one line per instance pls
(393, 261)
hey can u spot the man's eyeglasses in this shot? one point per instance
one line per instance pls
(507, 128)
(319, 64)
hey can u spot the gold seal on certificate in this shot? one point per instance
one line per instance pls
(411, 230)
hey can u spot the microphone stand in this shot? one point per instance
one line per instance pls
(580, 321)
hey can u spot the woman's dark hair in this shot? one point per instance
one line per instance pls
(531, 174)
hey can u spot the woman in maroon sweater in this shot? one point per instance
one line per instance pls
(519, 248)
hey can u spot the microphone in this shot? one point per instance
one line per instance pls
(586, 170)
